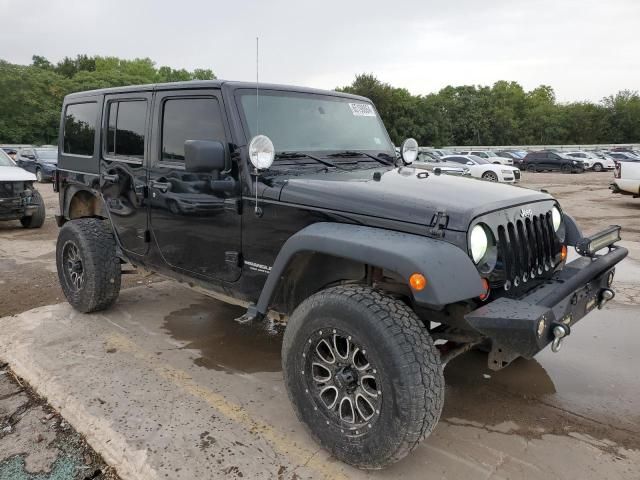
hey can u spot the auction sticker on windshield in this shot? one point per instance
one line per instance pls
(362, 110)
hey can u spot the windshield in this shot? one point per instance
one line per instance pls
(5, 160)
(49, 154)
(313, 122)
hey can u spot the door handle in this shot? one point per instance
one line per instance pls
(110, 178)
(162, 186)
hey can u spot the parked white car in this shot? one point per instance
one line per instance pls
(488, 155)
(485, 169)
(592, 162)
(627, 178)
(19, 200)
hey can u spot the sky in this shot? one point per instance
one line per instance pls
(584, 49)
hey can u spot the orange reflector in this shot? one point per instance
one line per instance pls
(487, 288)
(563, 253)
(417, 281)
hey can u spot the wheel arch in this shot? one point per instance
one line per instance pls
(83, 203)
(451, 275)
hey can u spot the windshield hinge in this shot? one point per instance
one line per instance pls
(438, 223)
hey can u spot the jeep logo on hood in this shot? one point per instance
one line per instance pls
(526, 213)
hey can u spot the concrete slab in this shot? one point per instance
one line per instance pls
(166, 385)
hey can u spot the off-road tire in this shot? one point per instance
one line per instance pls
(37, 219)
(408, 366)
(597, 167)
(490, 176)
(96, 247)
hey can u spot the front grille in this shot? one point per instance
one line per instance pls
(527, 249)
(11, 189)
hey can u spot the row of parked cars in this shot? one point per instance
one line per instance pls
(41, 161)
(505, 165)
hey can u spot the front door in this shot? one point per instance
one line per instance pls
(196, 227)
(123, 177)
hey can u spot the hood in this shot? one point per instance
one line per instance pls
(15, 174)
(406, 194)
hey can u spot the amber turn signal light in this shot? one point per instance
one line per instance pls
(487, 289)
(417, 281)
(563, 253)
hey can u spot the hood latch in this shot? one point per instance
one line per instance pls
(438, 223)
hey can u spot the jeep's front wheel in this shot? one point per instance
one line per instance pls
(88, 268)
(363, 375)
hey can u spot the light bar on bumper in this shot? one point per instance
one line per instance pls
(588, 246)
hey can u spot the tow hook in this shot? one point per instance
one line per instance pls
(560, 331)
(606, 295)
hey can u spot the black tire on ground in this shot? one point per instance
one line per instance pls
(384, 353)
(566, 168)
(597, 167)
(39, 176)
(37, 219)
(491, 176)
(531, 168)
(88, 268)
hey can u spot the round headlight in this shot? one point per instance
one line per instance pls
(556, 218)
(261, 152)
(478, 243)
(409, 150)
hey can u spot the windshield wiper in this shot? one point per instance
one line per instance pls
(305, 155)
(354, 153)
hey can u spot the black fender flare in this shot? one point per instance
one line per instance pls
(572, 231)
(450, 273)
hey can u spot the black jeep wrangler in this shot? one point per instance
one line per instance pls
(293, 202)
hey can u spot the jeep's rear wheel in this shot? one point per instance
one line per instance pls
(88, 268)
(35, 220)
(363, 375)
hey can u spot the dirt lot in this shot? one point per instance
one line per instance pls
(28, 275)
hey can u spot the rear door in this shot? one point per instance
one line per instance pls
(123, 176)
(196, 227)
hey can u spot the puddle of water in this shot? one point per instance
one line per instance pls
(592, 385)
(223, 344)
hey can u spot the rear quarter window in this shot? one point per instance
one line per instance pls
(80, 128)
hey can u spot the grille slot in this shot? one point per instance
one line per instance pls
(11, 189)
(527, 249)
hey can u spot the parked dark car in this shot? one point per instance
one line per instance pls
(551, 161)
(40, 161)
(12, 152)
(298, 207)
(517, 159)
(620, 156)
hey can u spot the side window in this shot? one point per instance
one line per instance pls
(189, 119)
(126, 129)
(79, 128)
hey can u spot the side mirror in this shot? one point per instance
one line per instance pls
(204, 156)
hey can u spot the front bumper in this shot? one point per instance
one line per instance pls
(15, 208)
(524, 326)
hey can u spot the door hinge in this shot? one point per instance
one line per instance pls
(147, 236)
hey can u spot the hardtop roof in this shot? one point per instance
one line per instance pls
(201, 84)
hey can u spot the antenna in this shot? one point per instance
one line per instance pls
(257, 210)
